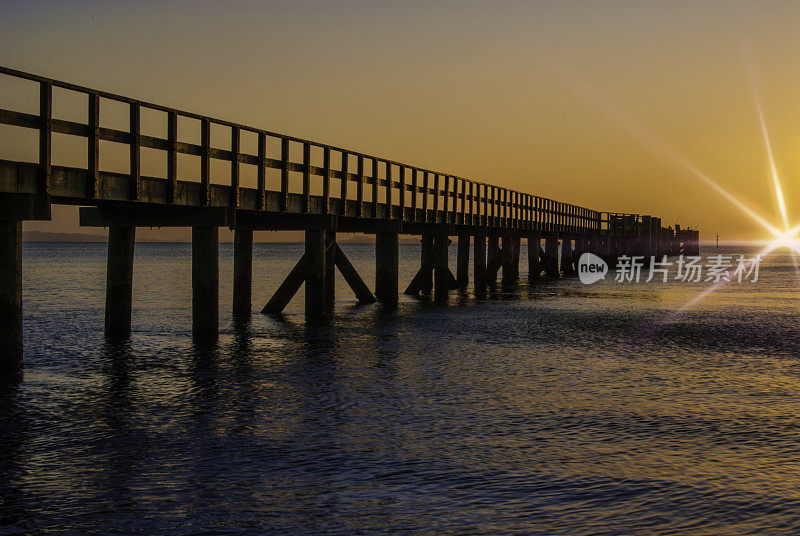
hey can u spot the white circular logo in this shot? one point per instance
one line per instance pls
(591, 268)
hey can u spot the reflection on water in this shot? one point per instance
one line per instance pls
(553, 409)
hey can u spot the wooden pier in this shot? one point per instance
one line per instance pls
(327, 190)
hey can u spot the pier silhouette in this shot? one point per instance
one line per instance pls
(328, 190)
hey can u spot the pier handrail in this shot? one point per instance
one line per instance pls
(436, 197)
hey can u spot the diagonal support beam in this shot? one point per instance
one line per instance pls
(423, 275)
(418, 283)
(288, 288)
(423, 280)
(454, 285)
(348, 271)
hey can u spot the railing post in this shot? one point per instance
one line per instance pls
(402, 199)
(481, 202)
(261, 181)
(45, 137)
(306, 177)
(446, 198)
(424, 196)
(172, 156)
(135, 188)
(388, 190)
(471, 203)
(414, 194)
(326, 180)
(493, 194)
(360, 186)
(343, 184)
(284, 196)
(435, 198)
(375, 182)
(205, 162)
(93, 145)
(235, 140)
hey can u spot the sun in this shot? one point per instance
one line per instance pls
(781, 235)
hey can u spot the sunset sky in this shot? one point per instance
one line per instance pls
(592, 103)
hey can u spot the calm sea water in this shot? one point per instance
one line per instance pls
(558, 409)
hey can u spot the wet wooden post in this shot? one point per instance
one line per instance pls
(330, 269)
(492, 258)
(534, 264)
(423, 279)
(551, 256)
(507, 259)
(441, 269)
(462, 261)
(10, 300)
(205, 283)
(386, 267)
(315, 271)
(566, 255)
(479, 266)
(119, 281)
(426, 262)
(515, 243)
(242, 272)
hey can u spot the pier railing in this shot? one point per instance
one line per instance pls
(350, 183)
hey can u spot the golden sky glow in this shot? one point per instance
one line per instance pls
(476, 89)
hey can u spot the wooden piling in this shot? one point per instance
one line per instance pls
(462, 261)
(119, 281)
(492, 258)
(242, 272)
(479, 266)
(534, 264)
(423, 279)
(441, 269)
(515, 244)
(577, 253)
(551, 257)
(316, 304)
(205, 283)
(507, 259)
(330, 269)
(386, 267)
(10, 300)
(566, 256)
(426, 263)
